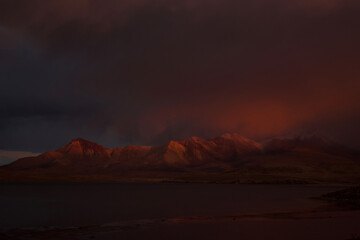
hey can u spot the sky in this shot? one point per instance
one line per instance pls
(147, 71)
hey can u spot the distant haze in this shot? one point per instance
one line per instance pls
(144, 72)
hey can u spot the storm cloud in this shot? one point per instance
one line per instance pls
(144, 72)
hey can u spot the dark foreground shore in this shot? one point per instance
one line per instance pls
(270, 212)
(285, 225)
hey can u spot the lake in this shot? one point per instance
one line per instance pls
(88, 204)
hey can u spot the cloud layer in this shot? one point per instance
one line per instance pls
(143, 72)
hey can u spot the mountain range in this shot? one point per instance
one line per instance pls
(227, 158)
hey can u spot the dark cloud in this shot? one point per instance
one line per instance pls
(142, 72)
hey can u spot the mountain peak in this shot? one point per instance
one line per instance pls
(80, 146)
(175, 145)
(81, 140)
(238, 138)
(234, 136)
(313, 142)
(193, 140)
(78, 140)
(229, 135)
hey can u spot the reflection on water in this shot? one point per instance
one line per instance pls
(33, 205)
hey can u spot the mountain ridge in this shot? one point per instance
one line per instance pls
(229, 155)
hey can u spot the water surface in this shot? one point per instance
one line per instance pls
(69, 204)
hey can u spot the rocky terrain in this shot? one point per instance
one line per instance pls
(227, 158)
